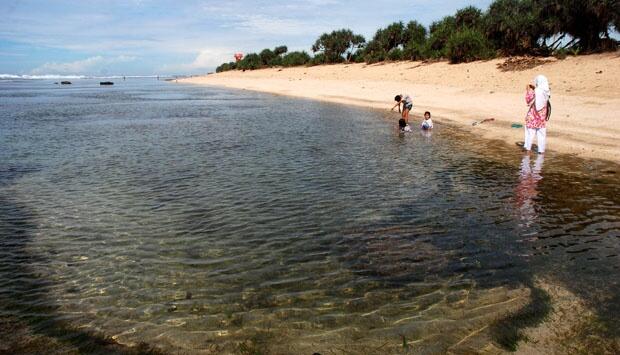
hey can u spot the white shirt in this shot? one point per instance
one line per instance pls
(428, 123)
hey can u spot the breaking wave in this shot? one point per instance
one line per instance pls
(60, 77)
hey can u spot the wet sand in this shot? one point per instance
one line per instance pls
(585, 94)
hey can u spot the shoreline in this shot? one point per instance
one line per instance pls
(585, 94)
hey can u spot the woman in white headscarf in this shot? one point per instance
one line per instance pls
(537, 96)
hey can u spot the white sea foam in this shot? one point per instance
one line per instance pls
(41, 77)
(62, 77)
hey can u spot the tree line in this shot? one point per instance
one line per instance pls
(508, 27)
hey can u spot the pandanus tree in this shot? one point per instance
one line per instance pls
(514, 26)
(385, 40)
(272, 57)
(508, 27)
(616, 17)
(469, 17)
(392, 36)
(588, 22)
(440, 32)
(336, 44)
(397, 41)
(414, 41)
(267, 56)
(295, 59)
(251, 61)
(467, 41)
(280, 50)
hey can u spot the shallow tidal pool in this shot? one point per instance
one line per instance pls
(199, 219)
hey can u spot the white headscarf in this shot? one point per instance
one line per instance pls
(542, 91)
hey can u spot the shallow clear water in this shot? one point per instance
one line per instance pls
(195, 218)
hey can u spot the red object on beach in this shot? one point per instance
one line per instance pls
(238, 56)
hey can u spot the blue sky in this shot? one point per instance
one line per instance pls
(143, 37)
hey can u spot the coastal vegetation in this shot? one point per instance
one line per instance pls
(338, 45)
(508, 27)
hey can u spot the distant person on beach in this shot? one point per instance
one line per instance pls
(428, 122)
(537, 97)
(407, 105)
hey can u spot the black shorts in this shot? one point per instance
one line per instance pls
(407, 106)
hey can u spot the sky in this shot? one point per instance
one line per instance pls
(150, 37)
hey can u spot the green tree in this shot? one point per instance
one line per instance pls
(293, 59)
(267, 56)
(414, 41)
(318, 59)
(395, 54)
(374, 52)
(250, 62)
(514, 26)
(336, 44)
(467, 45)
(226, 67)
(280, 50)
(392, 36)
(587, 21)
(414, 32)
(440, 32)
(384, 41)
(469, 17)
(358, 57)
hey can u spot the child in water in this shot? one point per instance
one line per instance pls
(427, 123)
(403, 123)
(404, 127)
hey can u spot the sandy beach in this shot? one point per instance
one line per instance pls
(585, 94)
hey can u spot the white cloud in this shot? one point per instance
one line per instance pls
(174, 32)
(212, 57)
(269, 25)
(206, 59)
(80, 66)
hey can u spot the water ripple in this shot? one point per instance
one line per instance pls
(182, 215)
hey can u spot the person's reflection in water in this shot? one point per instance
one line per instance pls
(526, 190)
(427, 133)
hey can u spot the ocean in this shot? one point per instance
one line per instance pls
(202, 219)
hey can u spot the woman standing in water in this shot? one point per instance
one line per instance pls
(536, 118)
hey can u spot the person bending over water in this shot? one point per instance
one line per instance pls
(427, 123)
(407, 105)
(537, 98)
